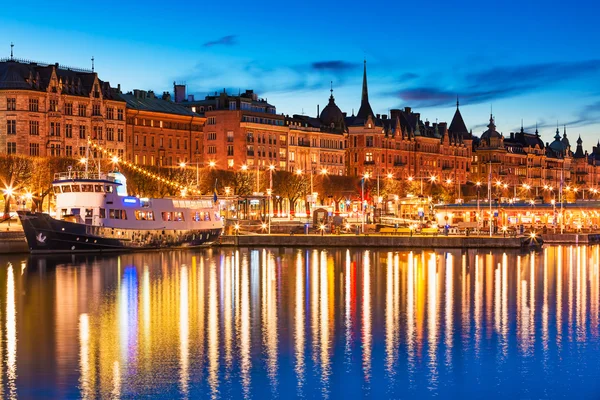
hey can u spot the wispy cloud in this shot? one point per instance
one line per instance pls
(333, 66)
(228, 40)
(497, 82)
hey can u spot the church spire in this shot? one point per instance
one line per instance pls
(365, 108)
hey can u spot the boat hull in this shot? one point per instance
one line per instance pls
(45, 234)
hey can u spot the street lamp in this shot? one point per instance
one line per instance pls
(8, 193)
(362, 200)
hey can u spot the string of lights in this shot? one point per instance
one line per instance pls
(116, 160)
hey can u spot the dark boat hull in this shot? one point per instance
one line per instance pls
(45, 234)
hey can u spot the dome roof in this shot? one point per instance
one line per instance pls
(331, 114)
(491, 132)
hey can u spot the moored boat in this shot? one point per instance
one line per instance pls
(94, 214)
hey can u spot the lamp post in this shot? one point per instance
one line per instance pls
(8, 193)
(362, 200)
(478, 184)
(270, 193)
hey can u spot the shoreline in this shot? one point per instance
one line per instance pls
(14, 242)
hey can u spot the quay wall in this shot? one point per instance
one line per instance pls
(372, 241)
(13, 242)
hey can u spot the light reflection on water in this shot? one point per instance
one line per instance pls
(303, 323)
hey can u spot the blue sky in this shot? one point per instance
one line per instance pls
(530, 60)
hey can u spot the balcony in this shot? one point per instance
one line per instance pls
(303, 144)
(399, 164)
(369, 162)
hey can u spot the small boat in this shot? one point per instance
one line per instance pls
(95, 214)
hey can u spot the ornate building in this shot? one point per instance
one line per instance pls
(405, 146)
(51, 110)
(318, 144)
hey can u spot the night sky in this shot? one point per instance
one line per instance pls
(530, 60)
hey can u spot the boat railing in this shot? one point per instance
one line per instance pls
(71, 175)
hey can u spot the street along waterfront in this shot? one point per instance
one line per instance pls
(308, 322)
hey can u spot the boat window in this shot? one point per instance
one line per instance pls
(98, 188)
(66, 188)
(75, 188)
(109, 189)
(102, 213)
(75, 211)
(196, 216)
(206, 216)
(87, 188)
(144, 202)
(88, 213)
(167, 216)
(144, 215)
(217, 216)
(179, 216)
(56, 189)
(117, 214)
(63, 212)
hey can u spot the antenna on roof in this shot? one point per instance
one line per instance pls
(12, 45)
(92, 63)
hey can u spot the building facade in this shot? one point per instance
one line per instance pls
(50, 110)
(161, 132)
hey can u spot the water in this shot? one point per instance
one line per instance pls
(304, 323)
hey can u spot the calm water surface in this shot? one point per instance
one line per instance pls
(302, 323)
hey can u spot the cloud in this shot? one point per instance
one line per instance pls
(407, 76)
(333, 66)
(497, 82)
(228, 40)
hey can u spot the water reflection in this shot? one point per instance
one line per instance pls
(306, 323)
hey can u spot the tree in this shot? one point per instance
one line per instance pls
(337, 188)
(290, 186)
(15, 171)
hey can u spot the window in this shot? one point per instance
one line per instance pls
(120, 114)
(120, 136)
(229, 150)
(369, 141)
(82, 132)
(53, 106)
(54, 128)
(117, 214)
(110, 113)
(144, 215)
(68, 108)
(232, 105)
(34, 128)
(110, 134)
(55, 150)
(230, 136)
(11, 127)
(172, 216)
(69, 151)
(211, 136)
(68, 130)
(211, 121)
(81, 110)
(34, 149)
(292, 156)
(96, 110)
(212, 149)
(11, 104)
(11, 148)
(82, 151)
(97, 132)
(33, 105)
(230, 163)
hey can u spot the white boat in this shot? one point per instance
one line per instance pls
(95, 214)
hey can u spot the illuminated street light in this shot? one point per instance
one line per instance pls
(448, 181)
(244, 167)
(271, 167)
(298, 171)
(115, 160)
(390, 175)
(212, 164)
(182, 164)
(433, 178)
(324, 171)
(410, 178)
(82, 160)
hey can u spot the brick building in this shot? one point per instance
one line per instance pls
(51, 110)
(240, 130)
(161, 132)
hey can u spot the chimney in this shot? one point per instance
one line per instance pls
(166, 96)
(407, 110)
(178, 92)
(190, 97)
(378, 116)
(318, 112)
(395, 113)
(384, 116)
(136, 93)
(512, 135)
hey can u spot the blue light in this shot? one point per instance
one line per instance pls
(130, 200)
